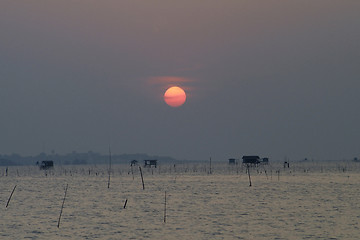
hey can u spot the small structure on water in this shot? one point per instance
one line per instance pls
(251, 160)
(265, 161)
(44, 165)
(133, 163)
(150, 163)
(286, 164)
(233, 161)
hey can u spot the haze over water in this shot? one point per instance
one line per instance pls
(271, 78)
(278, 79)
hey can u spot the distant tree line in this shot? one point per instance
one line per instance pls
(75, 158)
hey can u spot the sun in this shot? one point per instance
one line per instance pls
(175, 96)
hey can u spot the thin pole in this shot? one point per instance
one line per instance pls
(248, 170)
(266, 173)
(278, 172)
(132, 171)
(142, 179)
(109, 167)
(165, 209)
(210, 166)
(62, 206)
(125, 203)
(7, 204)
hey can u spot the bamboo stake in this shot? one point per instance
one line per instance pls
(132, 171)
(62, 206)
(7, 204)
(248, 170)
(109, 167)
(210, 166)
(109, 180)
(142, 179)
(266, 173)
(165, 209)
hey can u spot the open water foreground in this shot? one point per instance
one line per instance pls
(306, 201)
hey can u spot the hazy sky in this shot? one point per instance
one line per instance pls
(271, 78)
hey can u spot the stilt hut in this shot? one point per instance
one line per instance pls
(233, 161)
(251, 160)
(133, 163)
(150, 163)
(265, 161)
(46, 165)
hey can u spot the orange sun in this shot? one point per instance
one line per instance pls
(175, 96)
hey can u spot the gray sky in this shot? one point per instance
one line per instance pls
(271, 78)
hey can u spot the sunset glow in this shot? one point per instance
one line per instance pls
(175, 96)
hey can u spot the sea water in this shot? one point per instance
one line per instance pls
(305, 201)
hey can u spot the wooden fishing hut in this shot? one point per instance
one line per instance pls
(286, 164)
(265, 161)
(233, 161)
(252, 161)
(133, 163)
(150, 163)
(46, 165)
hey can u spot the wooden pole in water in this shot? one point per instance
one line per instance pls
(7, 204)
(266, 173)
(210, 166)
(109, 167)
(132, 171)
(62, 206)
(165, 209)
(125, 203)
(248, 170)
(142, 179)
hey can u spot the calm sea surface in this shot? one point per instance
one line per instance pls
(306, 201)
